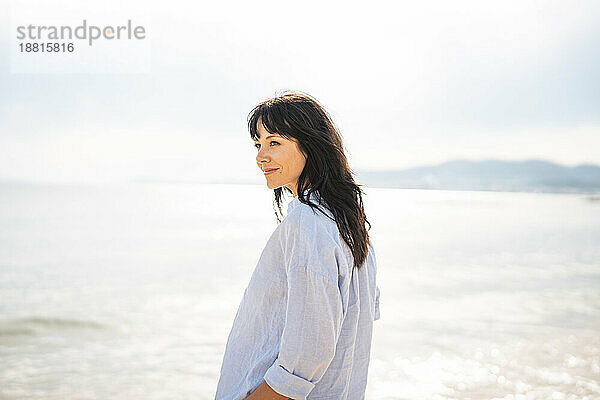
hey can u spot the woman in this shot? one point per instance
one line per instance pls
(303, 328)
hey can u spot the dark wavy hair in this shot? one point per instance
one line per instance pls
(294, 114)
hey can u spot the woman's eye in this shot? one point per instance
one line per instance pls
(257, 145)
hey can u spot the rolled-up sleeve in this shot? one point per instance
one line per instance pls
(312, 326)
(313, 318)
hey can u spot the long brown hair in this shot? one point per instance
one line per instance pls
(294, 114)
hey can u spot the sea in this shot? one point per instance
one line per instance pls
(129, 290)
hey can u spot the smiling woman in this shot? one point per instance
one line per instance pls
(303, 328)
(279, 158)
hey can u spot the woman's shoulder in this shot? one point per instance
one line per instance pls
(298, 219)
(308, 240)
(309, 227)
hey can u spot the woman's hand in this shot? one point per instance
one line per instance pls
(264, 392)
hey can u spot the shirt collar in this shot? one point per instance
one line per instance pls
(314, 197)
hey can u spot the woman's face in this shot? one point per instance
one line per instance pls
(281, 155)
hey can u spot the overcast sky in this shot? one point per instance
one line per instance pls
(407, 83)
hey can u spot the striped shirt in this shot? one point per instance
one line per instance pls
(305, 321)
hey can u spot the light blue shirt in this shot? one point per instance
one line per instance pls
(305, 322)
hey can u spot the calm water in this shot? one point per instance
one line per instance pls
(129, 291)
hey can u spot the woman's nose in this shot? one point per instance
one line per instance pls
(261, 156)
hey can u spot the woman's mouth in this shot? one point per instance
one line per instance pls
(270, 171)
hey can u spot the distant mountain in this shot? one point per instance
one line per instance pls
(495, 175)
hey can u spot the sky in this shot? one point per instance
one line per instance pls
(407, 83)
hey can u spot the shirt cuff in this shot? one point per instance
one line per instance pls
(286, 383)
